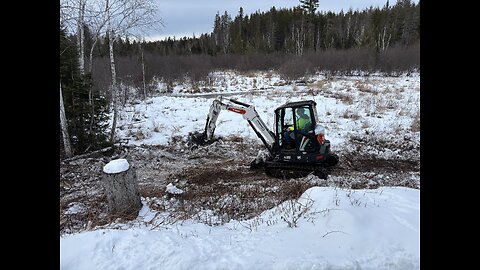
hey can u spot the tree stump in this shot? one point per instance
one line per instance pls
(120, 183)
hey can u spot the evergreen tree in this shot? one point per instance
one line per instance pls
(236, 32)
(86, 124)
(217, 29)
(310, 6)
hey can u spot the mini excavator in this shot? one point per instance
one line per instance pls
(306, 152)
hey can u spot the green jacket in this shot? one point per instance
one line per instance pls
(302, 123)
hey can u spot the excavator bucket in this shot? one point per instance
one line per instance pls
(197, 138)
(200, 138)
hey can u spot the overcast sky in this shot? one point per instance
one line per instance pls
(187, 17)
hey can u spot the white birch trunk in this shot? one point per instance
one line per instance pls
(318, 40)
(111, 35)
(81, 36)
(143, 73)
(90, 68)
(64, 126)
(348, 26)
(114, 87)
(299, 40)
(90, 58)
(359, 37)
(383, 37)
(90, 91)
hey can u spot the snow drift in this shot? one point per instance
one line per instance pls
(327, 228)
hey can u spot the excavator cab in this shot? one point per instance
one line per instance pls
(296, 126)
(299, 137)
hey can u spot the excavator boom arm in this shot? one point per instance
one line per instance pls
(247, 111)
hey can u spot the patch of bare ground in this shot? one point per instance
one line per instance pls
(233, 191)
(372, 161)
(217, 182)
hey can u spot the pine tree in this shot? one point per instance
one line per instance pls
(310, 6)
(217, 29)
(86, 126)
(237, 33)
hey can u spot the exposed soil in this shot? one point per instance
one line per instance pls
(217, 182)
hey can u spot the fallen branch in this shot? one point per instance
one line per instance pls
(88, 154)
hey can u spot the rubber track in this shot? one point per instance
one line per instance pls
(288, 170)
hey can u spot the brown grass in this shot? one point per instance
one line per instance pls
(268, 74)
(348, 114)
(364, 87)
(343, 97)
(318, 85)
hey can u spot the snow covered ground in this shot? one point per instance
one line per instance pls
(327, 228)
(348, 106)
(371, 121)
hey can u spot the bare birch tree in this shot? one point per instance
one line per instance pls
(298, 36)
(64, 127)
(111, 37)
(66, 19)
(72, 13)
(83, 14)
(114, 18)
(143, 70)
(81, 35)
(123, 18)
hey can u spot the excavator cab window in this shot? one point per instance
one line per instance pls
(284, 121)
(288, 117)
(304, 128)
(303, 119)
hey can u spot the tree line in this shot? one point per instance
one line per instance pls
(294, 41)
(296, 30)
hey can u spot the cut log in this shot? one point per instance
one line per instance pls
(120, 183)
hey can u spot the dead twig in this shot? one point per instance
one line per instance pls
(333, 232)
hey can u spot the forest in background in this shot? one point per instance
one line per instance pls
(294, 42)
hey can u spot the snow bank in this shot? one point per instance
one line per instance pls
(331, 229)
